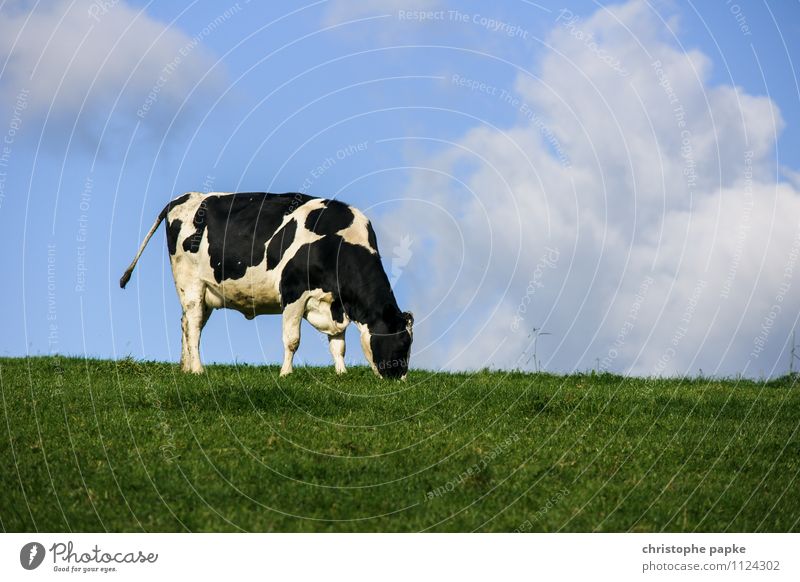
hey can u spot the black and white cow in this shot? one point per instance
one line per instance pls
(283, 253)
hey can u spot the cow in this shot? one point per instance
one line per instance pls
(294, 254)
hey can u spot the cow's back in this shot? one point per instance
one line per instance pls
(238, 227)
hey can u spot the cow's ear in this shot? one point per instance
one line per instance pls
(409, 317)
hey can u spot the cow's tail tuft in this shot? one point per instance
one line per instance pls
(126, 276)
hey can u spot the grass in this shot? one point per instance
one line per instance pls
(93, 445)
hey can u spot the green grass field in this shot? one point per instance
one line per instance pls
(138, 446)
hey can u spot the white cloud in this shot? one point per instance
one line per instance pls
(78, 58)
(668, 185)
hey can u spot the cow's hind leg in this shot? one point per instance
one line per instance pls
(195, 316)
(337, 347)
(292, 317)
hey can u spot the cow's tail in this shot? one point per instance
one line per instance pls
(127, 274)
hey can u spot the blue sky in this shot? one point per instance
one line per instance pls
(516, 178)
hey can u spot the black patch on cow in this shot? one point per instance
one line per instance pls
(238, 227)
(360, 289)
(352, 274)
(281, 241)
(191, 244)
(330, 219)
(173, 230)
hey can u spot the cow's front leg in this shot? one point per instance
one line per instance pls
(337, 347)
(292, 317)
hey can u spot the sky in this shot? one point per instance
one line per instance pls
(566, 186)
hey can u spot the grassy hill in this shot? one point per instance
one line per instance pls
(131, 446)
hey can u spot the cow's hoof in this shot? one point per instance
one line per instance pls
(285, 373)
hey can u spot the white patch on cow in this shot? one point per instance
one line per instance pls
(367, 347)
(358, 233)
(315, 306)
(318, 313)
(256, 293)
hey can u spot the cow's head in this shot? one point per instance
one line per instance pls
(387, 344)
